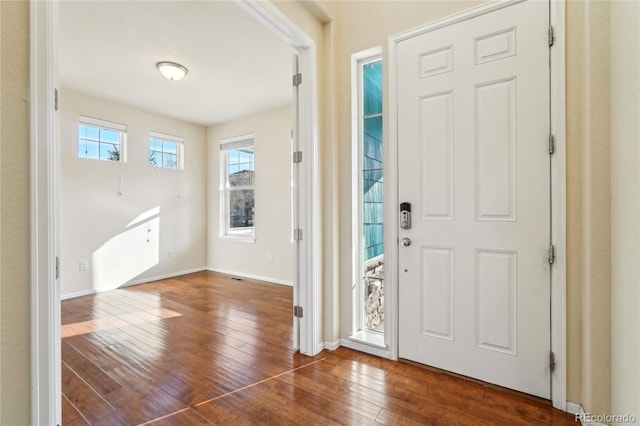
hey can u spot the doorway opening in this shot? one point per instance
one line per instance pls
(45, 188)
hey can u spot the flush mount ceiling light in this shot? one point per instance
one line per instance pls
(171, 70)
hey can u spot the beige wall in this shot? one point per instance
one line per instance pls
(625, 208)
(14, 214)
(588, 205)
(96, 221)
(272, 133)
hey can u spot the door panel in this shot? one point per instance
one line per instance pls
(437, 292)
(473, 124)
(495, 150)
(436, 155)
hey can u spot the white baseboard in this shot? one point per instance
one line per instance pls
(331, 346)
(166, 276)
(83, 293)
(132, 282)
(250, 276)
(578, 411)
(573, 408)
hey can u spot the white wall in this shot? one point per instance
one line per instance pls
(109, 230)
(625, 208)
(272, 132)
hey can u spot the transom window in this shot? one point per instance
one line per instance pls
(101, 140)
(237, 194)
(165, 151)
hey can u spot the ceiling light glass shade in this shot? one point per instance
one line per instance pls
(171, 70)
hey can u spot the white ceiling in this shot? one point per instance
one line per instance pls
(236, 66)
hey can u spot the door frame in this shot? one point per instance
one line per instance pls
(46, 380)
(558, 185)
(309, 248)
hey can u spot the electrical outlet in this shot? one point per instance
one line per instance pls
(84, 265)
(269, 256)
(171, 253)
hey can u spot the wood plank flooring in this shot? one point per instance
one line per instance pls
(206, 349)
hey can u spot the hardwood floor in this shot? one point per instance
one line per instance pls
(206, 349)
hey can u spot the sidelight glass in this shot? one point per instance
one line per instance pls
(372, 198)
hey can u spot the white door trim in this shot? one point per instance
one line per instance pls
(309, 266)
(559, 209)
(46, 405)
(558, 174)
(46, 394)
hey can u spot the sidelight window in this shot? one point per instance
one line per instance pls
(368, 201)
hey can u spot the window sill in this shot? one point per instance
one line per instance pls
(367, 342)
(251, 239)
(369, 338)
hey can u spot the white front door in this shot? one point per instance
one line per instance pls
(473, 161)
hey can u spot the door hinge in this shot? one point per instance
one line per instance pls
(552, 36)
(552, 144)
(552, 362)
(297, 80)
(57, 267)
(297, 234)
(297, 311)
(55, 99)
(552, 254)
(297, 157)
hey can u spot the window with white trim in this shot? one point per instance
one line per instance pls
(237, 192)
(101, 139)
(166, 151)
(368, 198)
